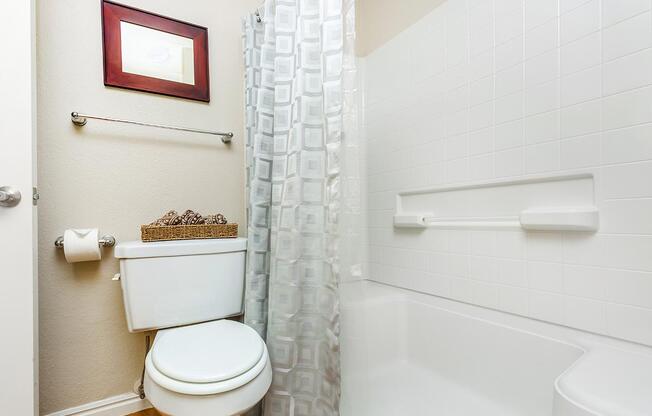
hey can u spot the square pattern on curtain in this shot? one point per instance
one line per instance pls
(297, 76)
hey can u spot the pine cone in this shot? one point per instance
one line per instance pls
(191, 217)
(166, 219)
(215, 219)
(176, 220)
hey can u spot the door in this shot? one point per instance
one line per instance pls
(18, 282)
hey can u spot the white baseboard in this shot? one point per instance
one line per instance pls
(120, 405)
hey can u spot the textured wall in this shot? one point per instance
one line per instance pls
(117, 177)
(480, 90)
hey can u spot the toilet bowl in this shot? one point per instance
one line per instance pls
(200, 363)
(216, 368)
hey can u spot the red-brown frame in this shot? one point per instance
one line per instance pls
(113, 14)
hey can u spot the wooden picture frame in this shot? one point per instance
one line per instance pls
(189, 77)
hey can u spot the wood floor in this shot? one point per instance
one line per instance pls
(148, 412)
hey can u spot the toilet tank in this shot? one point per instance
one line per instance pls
(174, 283)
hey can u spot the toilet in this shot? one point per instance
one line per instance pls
(200, 363)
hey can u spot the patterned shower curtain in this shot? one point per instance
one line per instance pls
(300, 104)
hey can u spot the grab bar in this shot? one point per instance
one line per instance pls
(542, 219)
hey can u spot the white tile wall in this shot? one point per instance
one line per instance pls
(482, 89)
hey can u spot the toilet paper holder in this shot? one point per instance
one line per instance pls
(104, 241)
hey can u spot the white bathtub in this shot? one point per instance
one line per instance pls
(406, 353)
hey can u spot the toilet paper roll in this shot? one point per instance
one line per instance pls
(81, 245)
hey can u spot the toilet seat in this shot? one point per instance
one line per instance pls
(208, 358)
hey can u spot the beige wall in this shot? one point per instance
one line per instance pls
(378, 21)
(117, 177)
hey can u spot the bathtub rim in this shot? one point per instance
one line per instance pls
(584, 341)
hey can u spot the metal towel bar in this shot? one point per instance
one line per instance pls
(80, 120)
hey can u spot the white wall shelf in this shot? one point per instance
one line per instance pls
(541, 203)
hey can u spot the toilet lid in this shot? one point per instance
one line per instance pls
(207, 353)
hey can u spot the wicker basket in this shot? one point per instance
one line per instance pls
(187, 232)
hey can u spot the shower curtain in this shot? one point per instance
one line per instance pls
(303, 194)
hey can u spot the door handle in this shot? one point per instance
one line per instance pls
(9, 197)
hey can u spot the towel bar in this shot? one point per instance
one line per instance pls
(80, 120)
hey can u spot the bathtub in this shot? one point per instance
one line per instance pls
(407, 353)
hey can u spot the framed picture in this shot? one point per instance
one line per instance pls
(147, 52)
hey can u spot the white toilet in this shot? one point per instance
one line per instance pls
(201, 364)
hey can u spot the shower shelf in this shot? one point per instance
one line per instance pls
(541, 203)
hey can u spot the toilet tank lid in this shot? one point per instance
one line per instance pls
(139, 249)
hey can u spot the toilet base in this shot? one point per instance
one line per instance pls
(230, 403)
